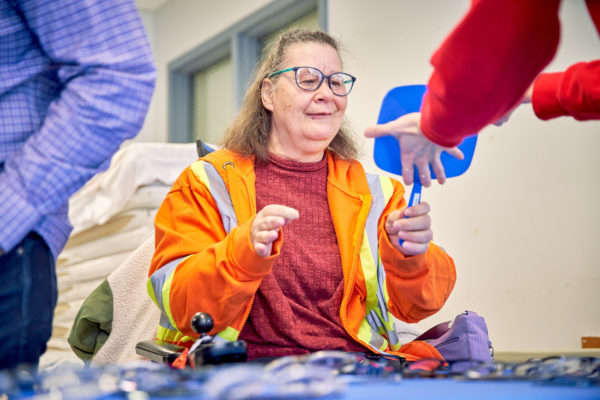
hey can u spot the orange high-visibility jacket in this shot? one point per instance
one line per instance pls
(205, 261)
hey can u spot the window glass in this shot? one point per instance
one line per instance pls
(212, 101)
(213, 96)
(309, 21)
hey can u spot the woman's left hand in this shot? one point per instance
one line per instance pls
(413, 225)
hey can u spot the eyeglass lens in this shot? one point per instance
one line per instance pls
(311, 78)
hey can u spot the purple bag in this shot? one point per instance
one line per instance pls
(464, 339)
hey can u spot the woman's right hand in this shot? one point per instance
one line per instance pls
(266, 225)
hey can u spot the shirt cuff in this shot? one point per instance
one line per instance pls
(432, 132)
(544, 98)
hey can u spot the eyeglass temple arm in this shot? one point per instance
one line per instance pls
(279, 72)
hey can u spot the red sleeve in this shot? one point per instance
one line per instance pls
(594, 10)
(575, 92)
(486, 64)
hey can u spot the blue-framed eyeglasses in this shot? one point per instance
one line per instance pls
(310, 78)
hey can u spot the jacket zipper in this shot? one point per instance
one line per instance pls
(253, 208)
(351, 279)
(449, 341)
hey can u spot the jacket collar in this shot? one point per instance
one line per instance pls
(346, 177)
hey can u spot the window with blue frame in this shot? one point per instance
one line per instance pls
(207, 85)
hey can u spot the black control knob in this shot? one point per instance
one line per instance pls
(202, 323)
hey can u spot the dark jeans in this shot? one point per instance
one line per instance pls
(28, 295)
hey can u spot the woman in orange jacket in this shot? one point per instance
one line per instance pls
(283, 238)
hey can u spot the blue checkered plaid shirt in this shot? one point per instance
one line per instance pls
(76, 79)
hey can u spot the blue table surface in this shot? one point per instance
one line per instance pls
(159, 381)
(449, 389)
(424, 388)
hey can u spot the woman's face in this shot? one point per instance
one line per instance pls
(303, 123)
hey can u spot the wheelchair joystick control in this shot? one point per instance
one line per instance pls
(205, 351)
(208, 351)
(202, 323)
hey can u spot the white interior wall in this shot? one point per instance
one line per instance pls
(148, 131)
(521, 224)
(179, 26)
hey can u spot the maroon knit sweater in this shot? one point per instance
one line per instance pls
(296, 308)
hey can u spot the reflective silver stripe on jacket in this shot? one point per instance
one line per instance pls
(379, 318)
(208, 175)
(157, 280)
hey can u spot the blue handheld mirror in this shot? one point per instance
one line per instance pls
(404, 100)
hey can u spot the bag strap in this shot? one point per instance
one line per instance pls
(441, 328)
(435, 332)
